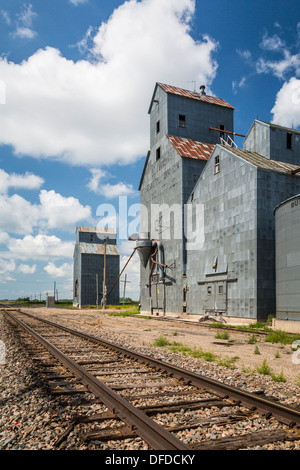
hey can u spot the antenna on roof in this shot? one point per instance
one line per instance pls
(194, 82)
(202, 88)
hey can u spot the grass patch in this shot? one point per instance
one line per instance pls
(264, 368)
(248, 370)
(178, 347)
(198, 353)
(228, 362)
(161, 341)
(297, 380)
(220, 325)
(222, 335)
(278, 378)
(258, 326)
(256, 350)
(209, 356)
(126, 306)
(281, 337)
(252, 339)
(123, 313)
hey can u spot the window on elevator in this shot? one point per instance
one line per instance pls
(182, 120)
(222, 134)
(158, 153)
(289, 140)
(217, 164)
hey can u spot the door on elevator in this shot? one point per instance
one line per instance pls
(157, 297)
(216, 297)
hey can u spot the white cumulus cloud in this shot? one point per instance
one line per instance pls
(17, 215)
(26, 269)
(286, 111)
(7, 265)
(61, 212)
(27, 181)
(6, 268)
(94, 112)
(78, 2)
(39, 247)
(65, 270)
(109, 191)
(25, 18)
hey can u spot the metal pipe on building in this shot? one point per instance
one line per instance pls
(161, 259)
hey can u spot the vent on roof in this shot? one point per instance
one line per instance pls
(202, 88)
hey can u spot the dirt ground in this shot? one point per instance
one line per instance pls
(138, 332)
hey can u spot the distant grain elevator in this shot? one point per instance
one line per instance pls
(96, 261)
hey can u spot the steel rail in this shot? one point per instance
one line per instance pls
(154, 434)
(283, 413)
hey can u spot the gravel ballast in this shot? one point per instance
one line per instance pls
(33, 419)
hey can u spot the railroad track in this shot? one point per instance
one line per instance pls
(140, 393)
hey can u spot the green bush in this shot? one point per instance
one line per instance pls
(281, 337)
(264, 368)
(222, 335)
(252, 339)
(161, 341)
(278, 378)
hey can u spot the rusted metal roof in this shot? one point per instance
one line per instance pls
(95, 230)
(191, 148)
(263, 162)
(98, 249)
(194, 95)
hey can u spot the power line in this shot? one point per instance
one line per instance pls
(29, 282)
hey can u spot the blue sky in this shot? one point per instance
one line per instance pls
(76, 79)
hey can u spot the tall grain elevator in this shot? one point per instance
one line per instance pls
(207, 236)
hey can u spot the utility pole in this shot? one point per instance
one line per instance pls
(97, 290)
(125, 282)
(104, 277)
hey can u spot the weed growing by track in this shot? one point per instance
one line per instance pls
(281, 337)
(195, 352)
(222, 335)
(265, 369)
